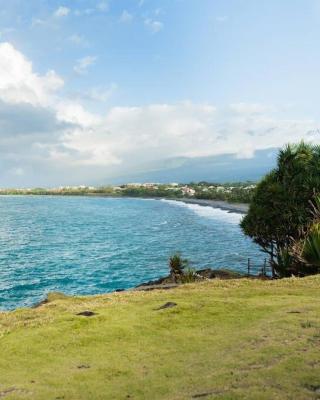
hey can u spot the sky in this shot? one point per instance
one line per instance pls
(96, 91)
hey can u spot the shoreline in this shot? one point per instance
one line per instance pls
(238, 208)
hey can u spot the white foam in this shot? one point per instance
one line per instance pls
(209, 212)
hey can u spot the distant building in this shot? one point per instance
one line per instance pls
(186, 191)
(134, 184)
(150, 185)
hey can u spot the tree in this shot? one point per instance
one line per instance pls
(280, 211)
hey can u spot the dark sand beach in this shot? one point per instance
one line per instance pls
(224, 205)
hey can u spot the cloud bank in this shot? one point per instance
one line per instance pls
(40, 130)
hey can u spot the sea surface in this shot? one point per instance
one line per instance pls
(91, 245)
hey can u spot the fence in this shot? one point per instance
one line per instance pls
(265, 269)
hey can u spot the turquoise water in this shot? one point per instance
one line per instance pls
(84, 245)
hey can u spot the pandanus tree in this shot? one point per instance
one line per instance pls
(280, 212)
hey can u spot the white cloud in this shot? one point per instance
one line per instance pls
(153, 25)
(61, 12)
(18, 82)
(62, 134)
(125, 17)
(83, 64)
(78, 40)
(74, 113)
(163, 131)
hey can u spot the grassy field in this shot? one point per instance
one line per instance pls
(238, 339)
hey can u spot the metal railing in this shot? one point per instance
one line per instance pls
(265, 269)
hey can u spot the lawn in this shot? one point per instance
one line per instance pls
(225, 339)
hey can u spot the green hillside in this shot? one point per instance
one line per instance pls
(236, 339)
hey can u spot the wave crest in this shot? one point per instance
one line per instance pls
(209, 212)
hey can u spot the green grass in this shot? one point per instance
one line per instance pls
(235, 339)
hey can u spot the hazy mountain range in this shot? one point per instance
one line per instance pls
(222, 168)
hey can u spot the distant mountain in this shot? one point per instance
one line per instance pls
(222, 168)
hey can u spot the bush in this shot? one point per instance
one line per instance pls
(188, 276)
(176, 266)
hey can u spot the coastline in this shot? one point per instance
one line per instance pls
(232, 208)
(239, 208)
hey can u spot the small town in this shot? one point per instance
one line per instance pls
(236, 192)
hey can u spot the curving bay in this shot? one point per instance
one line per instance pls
(84, 245)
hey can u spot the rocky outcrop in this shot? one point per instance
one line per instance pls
(200, 275)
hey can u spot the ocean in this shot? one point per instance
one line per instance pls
(92, 245)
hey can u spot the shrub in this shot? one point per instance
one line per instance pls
(176, 266)
(189, 275)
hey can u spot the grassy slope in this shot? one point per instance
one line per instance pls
(235, 339)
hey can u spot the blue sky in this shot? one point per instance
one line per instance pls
(125, 84)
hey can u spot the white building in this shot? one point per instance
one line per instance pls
(186, 191)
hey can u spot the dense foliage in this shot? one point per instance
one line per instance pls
(280, 214)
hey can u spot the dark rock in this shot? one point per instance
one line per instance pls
(119, 290)
(206, 273)
(202, 274)
(40, 303)
(83, 366)
(161, 281)
(205, 394)
(155, 287)
(226, 274)
(169, 304)
(87, 313)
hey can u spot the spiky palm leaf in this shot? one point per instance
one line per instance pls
(311, 246)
